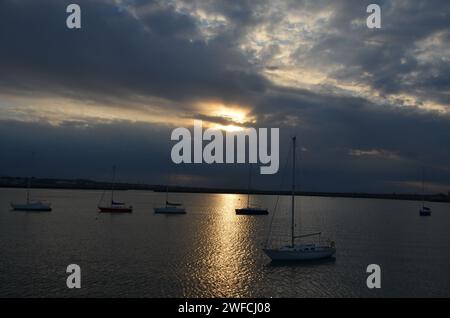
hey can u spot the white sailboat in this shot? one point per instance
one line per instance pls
(31, 205)
(170, 207)
(251, 210)
(113, 206)
(305, 251)
(424, 210)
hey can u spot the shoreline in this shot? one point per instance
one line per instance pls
(82, 184)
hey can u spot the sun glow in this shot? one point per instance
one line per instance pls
(229, 128)
(234, 115)
(57, 111)
(229, 118)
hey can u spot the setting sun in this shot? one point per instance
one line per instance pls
(229, 128)
(238, 116)
(234, 114)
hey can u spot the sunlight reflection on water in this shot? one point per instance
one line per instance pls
(212, 252)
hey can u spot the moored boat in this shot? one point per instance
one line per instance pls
(32, 206)
(251, 210)
(170, 207)
(113, 206)
(305, 251)
(424, 210)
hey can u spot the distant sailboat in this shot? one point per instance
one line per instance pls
(114, 206)
(31, 205)
(170, 207)
(249, 210)
(300, 252)
(424, 210)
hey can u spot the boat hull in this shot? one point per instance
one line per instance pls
(115, 209)
(300, 254)
(252, 211)
(170, 210)
(425, 213)
(31, 207)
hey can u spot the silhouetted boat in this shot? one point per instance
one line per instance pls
(114, 206)
(300, 252)
(251, 210)
(424, 210)
(31, 205)
(170, 207)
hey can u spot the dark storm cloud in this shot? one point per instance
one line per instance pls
(116, 54)
(136, 50)
(387, 59)
(160, 51)
(141, 153)
(331, 125)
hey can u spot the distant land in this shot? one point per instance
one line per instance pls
(85, 184)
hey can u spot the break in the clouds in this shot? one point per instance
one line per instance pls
(371, 107)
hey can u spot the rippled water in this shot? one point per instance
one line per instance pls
(211, 252)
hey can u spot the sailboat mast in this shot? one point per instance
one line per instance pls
(293, 191)
(423, 187)
(112, 184)
(29, 178)
(28, 189)
(167, 196)
(249, 185)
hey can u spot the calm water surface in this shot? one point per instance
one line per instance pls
(211, 252)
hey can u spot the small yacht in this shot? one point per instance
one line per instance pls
(251, 210)
(31, 205)
(170, 207)
(302, 252)
(113, 206)
(305, 251)
(424, 210)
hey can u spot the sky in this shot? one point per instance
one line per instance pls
(370, 107)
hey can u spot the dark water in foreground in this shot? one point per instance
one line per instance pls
(211, 252)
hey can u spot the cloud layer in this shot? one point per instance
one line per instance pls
(370, 107)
